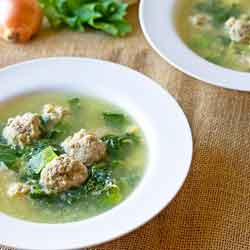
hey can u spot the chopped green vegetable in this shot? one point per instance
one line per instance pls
(210, 47)
(112, 197)
(37, 191)
(75, 104)
(105, 15)
(54, 132)
(40, 160)
(201, 41)
(119, 146)
(100, 180)
(226, 41)
(116, 163)
(114, 120)
(9, 156)
(218, 10)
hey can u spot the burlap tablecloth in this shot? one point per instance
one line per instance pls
(212, 211)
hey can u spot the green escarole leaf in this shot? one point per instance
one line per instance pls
(105, 15)
(115, 120)
(37, 191)
(74, 104)
(119, 146)
(40, 160)
(8, 156)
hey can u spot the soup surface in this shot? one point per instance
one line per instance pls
(217, 30)
(48, 179)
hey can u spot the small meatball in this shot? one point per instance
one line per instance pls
(63, 173)
(238, 29)
(85, 147)
(22, 129)
(54, 113)
(18, 189)
(200, 20)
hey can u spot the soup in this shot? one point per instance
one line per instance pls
(65, 158)
(217, 30)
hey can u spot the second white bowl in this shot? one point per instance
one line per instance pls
(158, 24)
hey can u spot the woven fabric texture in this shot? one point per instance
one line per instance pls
(212, 210)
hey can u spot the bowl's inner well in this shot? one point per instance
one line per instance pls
(110, 181)
(216, 30)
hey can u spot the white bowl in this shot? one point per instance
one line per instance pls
(167, 133)
(158, 24)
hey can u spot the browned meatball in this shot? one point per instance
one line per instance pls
(54, 113)
(85, 147)
(63, 173)
(22, 129)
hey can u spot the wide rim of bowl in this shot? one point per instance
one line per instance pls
(158, 25)
(65, 74)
